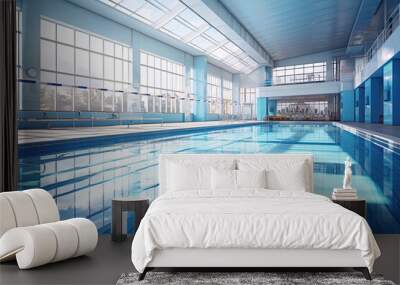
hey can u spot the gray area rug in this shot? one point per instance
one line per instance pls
(229, 278)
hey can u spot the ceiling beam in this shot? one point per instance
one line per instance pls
(195, 34)
(169, 16)
(221, 19)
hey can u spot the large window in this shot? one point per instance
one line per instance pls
(214, 94)
(314, 110)
(82, 71)
(248, 103)
(299, 73)
(227, 96)
(163, 80)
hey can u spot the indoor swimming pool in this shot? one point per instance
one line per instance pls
(84, 178)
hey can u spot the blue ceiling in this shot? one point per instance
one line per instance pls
(290, 28)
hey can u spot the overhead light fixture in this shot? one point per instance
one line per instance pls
(178, 21)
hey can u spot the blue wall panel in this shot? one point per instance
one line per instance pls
(262, 107)
(391, 92)
(374, 100)
(347, 106)
(272, 105)
(359, 102)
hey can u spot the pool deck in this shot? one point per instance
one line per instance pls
(35, 136)
(60, 134)
(391, 133)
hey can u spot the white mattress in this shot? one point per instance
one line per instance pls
(253, 219)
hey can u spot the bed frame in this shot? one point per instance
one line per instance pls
(242, 259)
(260, 259)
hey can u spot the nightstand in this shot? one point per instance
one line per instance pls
(138, 206)
(358, 206)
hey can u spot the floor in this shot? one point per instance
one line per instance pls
(103, 266)
(54, 134)
(390, 132)
(110, 260)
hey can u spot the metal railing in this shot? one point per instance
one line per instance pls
(391, 24)
(52, 119)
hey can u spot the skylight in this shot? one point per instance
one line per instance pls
(201, 43)
(177, 29)
(175, 19)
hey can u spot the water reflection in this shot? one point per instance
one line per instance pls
(84, 180)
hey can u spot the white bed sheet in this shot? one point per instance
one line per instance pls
(253, 218)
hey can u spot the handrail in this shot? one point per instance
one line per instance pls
(116, 117)
(187, 99)
(391, 24)
(55, 114)
(304, 82)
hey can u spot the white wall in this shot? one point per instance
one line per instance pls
(318, 88)
(346, 74)
(253, 79)
(311, 58)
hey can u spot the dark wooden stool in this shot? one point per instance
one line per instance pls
(120, 205)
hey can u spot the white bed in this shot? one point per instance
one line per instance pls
(198, 223)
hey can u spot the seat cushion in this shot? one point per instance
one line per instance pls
(7, 220)
(32, 246)
(23, 208)
(26, 208)
(67, 240)
(87, 235)
(46, 208)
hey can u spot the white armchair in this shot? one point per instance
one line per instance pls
(31, 231)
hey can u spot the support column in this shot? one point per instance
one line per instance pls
(391, 93)
(329, 69)
(346, 90)
(236, 94)
(268, 76)
(221, 114)
(374, 100)
(359, 104)
(200, 78)
(262, 108)
(347, 106)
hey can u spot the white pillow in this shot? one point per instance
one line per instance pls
(183, 178)
(188, 175)
(251, 178)
(223, 179)
(290, 176)
(282, 174)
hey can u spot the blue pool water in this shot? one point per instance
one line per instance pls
(84, 178)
